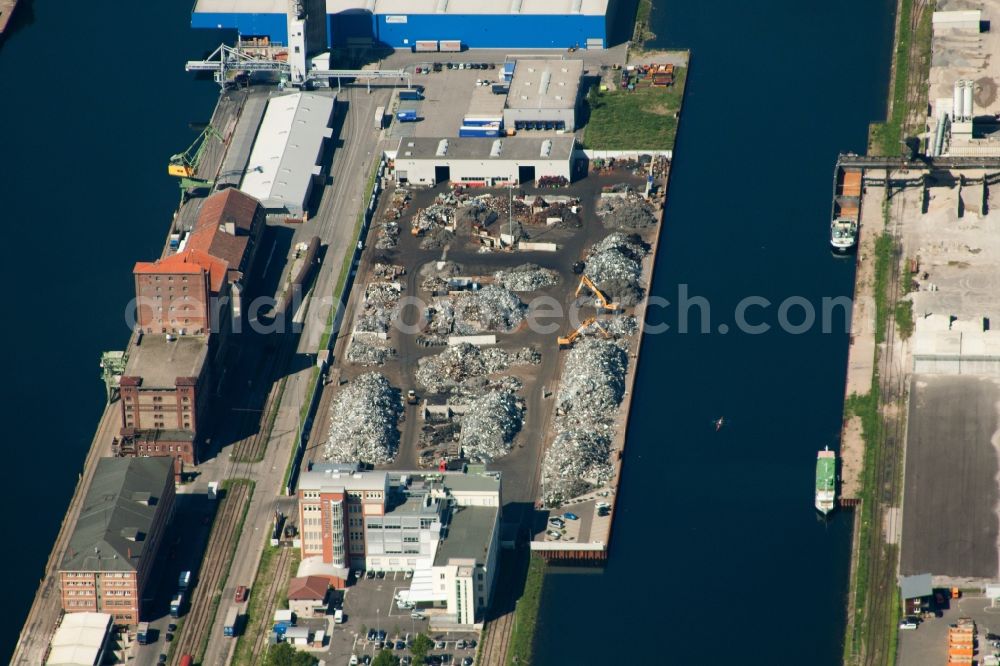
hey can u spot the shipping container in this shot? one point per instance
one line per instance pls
(487, 131)
(472, 121)
(410, 94)
(451, 45)
(142, 633)
(184, 580)
(425, 46)
(499, 89)
(380, 117)
(186, 660)
(231, 627)
(406, 116)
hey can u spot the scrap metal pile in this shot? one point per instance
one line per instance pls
(388, 232)
(489, 425)
(492, 308)
(526, 277)
(436, 223)
(364, 419)
(562, 215)
(615, 266)
(369, 339)
(626, 210)
(456, 364)
(591, 390)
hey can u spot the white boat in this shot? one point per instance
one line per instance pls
(843, 234)
(826, 480)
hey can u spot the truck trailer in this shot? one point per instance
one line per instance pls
(410, 95)
(231, 627)
(184, 580)
(176, 605)
(407, 116)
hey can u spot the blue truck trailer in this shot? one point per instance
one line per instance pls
(406, 116)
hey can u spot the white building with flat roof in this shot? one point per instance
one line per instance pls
(80, 640)
(287, 154)
(544, 92)
(478, 161)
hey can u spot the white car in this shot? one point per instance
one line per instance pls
(907, 624)
(354, 660)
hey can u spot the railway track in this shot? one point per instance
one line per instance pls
(880, 601)
(260, 640)
(497, 640)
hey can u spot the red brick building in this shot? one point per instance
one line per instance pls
(174, 295)
(108, 565)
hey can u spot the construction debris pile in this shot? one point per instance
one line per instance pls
(456, 364)
(364, 420)
(489, 425)
(492, 308)
(562, 215)
(615, 266)
(592, 388)
(477, 211)
(626, 210)
(526, 277)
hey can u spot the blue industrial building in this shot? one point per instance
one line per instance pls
(399, 24)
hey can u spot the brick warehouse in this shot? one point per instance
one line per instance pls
(186, 306)
(113, 547)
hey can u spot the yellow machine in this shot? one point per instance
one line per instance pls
(568, 340)
(602, 300)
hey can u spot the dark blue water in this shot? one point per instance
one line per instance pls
(717, 554)
(94, 101)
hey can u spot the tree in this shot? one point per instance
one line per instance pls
(385, 658)
(284, 654)
(421, 646)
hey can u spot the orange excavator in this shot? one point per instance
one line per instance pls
(568, 340)
(602, 300)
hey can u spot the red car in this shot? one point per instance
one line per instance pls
(241, 594)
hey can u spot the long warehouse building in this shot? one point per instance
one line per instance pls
(482, 162)
(558, 24)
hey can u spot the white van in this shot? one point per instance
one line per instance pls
(338, 616)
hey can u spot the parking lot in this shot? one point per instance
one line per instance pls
(927, 645)
(369, 606)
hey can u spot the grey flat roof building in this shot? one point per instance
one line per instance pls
(468, 536)
(159, 362)
(118, 513)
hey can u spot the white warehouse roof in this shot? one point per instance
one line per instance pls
(287, 150)
(545, 84)
(79, 640)
(522, 149)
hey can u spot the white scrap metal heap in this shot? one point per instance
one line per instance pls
(592, 388)
(489, 425)
(364, 420)
(526, 277)
(444, 371)
(615, 266)
(492, 308)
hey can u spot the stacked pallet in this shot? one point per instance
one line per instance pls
(961, 642)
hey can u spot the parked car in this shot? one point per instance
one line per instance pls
(471, 644)
(571, 516)
(553, 534)
(168, 637)
(380, 575)
(439, 645)
(171, 627)
(369, 574)
(459, 645)
(400, 645)
(907, 624)
(354, 660)
(372, 634)
(467, 661)
(557, 522)
(381, 634)
(416, 615)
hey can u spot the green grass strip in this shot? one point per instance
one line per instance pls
(522, 638)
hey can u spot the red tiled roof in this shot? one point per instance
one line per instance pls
(209, 235)
(308, 587)
(190, 261)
